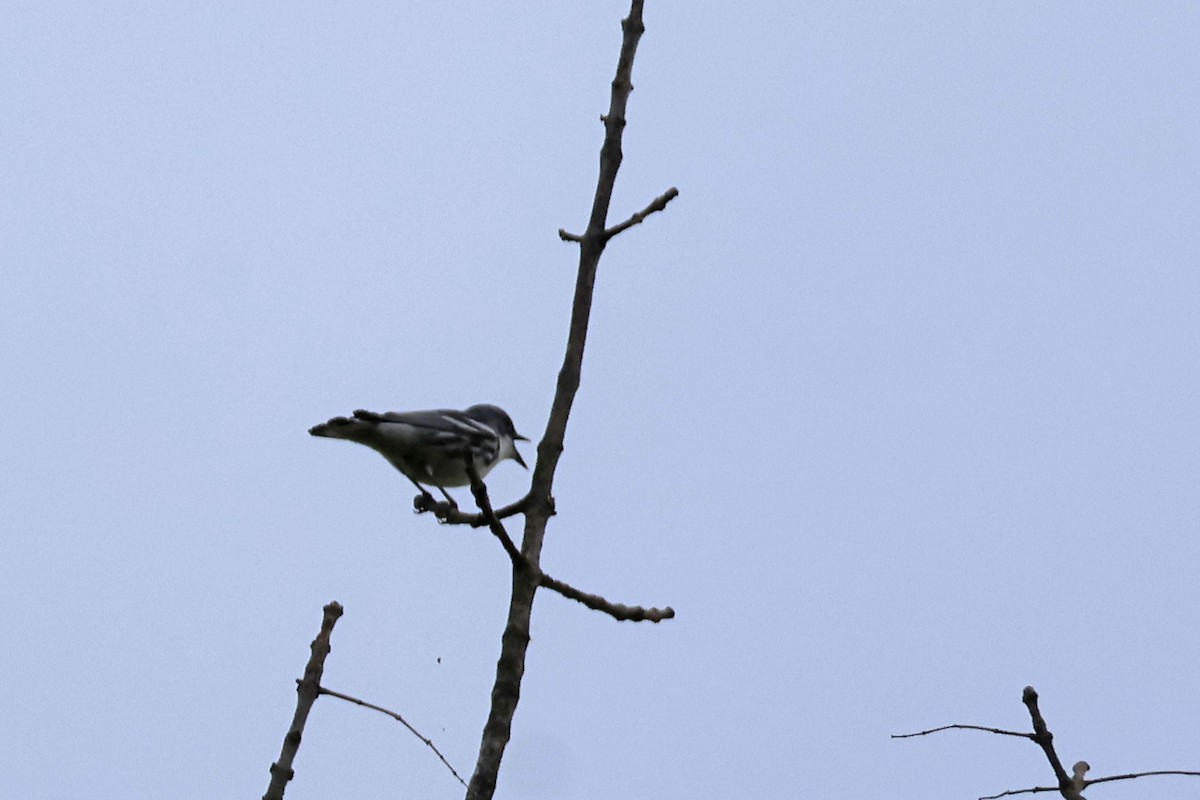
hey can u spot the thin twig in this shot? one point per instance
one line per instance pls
(1131, 775)
(1086, 783)
(428, 742)
(479, 490)
(1010, 792)
(962, 728)
(658, 204)
(307, 690)
(617, 611)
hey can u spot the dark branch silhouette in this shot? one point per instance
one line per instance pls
(307, 690)
(480, 493)
(449, 514)
(1069, 786)
(962, 728)
(538, 504)
(428, 742)
(657, 204)
(510, 667)
(617, 611)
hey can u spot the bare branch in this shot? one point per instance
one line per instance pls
(307, 690)
(479, 490)
(1010, 792)
(449, 514)
(615, 610)
(510, 667)
(658, 204)
(1131, 775)
(428, 742)
(1086, 783)
(595, 602)
(1068, 787)
(962, 728)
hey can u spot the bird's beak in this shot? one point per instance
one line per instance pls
(517, 456)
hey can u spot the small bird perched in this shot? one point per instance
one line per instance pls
(430, 447)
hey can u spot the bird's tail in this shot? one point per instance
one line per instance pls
(341, 428)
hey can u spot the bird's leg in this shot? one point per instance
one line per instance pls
(449, 499)
(425, 500)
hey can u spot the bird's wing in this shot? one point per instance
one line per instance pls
(434, 427)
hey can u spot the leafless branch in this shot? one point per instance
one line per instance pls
(510, 667)
(1131, 775)
(1092, 782)
(593, 601)
(479, 491)
(307, 690)
(617, 611)
(1010, 792)
(1069, 786)
(658, 204)
(428, 742)
(449, 514)
(962, 728)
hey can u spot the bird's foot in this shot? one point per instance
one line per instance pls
(425, 502)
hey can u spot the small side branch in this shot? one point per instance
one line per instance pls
(490, 517)
(308, 689)
(657, 204)
(962, 728)
(1130, 775)
(479, 490)
(595, 602)
(1011, 792)
(428, 742)
(449, 514)
(1080, 769)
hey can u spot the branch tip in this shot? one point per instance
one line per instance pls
(657, 204)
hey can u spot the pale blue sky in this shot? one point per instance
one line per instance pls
(896, 404)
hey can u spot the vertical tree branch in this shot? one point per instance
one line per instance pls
(1067, 785)
(308, 689)
(510, 668)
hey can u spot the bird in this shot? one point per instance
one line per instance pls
(430, 447)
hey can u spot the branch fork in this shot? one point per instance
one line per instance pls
(1070, 786)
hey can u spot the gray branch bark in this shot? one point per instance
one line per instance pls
(539, 505)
